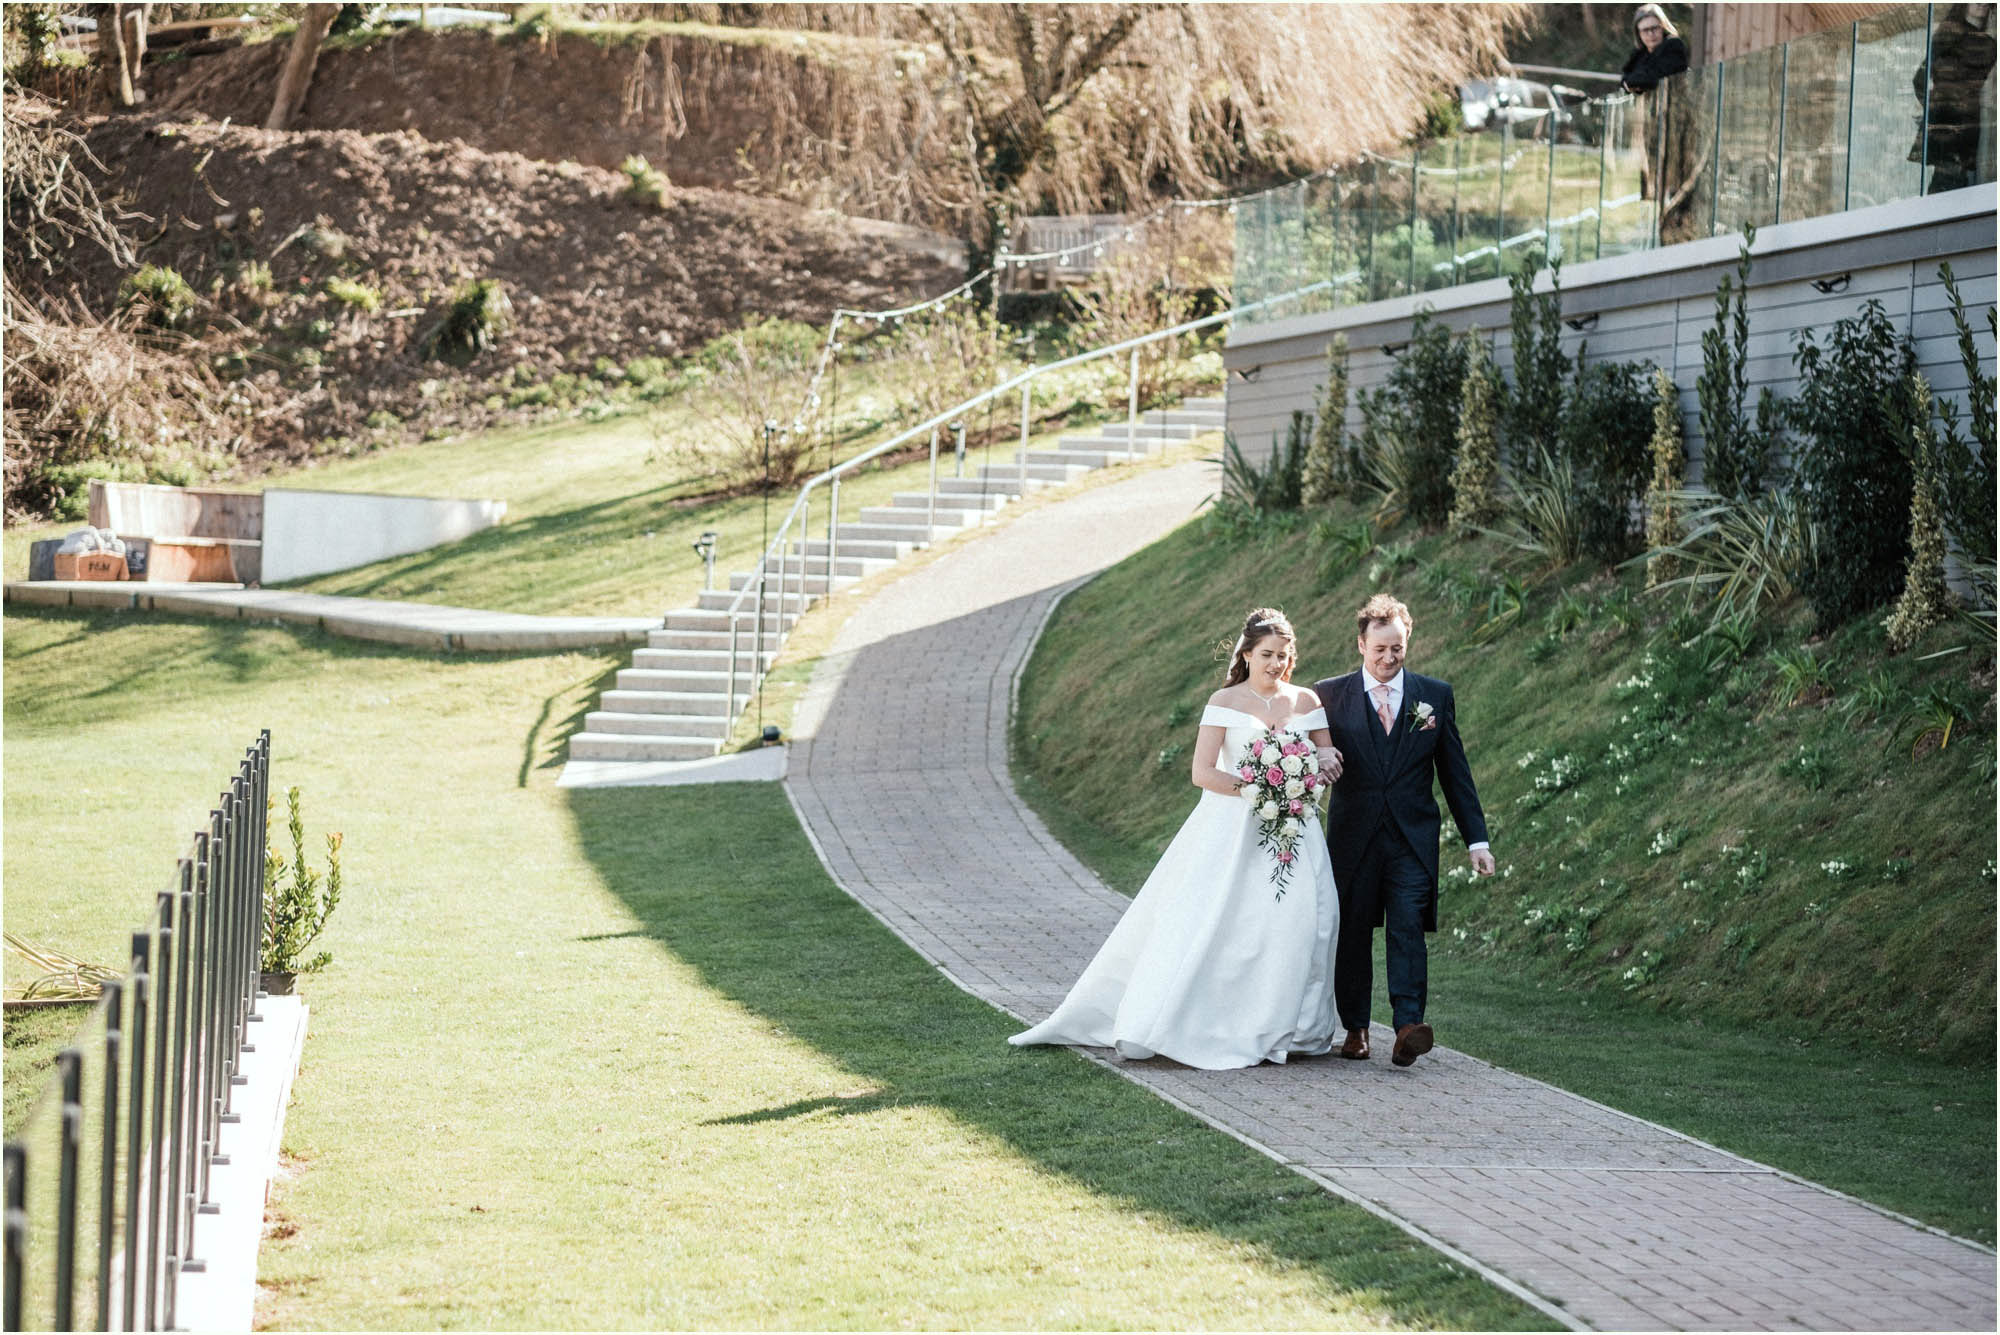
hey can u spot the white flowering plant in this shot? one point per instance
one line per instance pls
(1281, 778)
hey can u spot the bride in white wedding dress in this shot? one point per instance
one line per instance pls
(1211, 966)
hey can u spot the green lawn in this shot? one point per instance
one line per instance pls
(1667, 936)
(627, 1058)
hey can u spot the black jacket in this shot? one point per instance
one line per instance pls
(1645, 69)
(1387, 780)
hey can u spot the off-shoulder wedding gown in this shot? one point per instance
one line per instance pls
(1209, 966)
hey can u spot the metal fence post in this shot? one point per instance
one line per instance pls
(930, 517)
(16, 1229)
(107, 1192)
(833, 523)
(69, 1065)
(1021, 455)
(158, 1204)
(180, 1215)
(1132, 411)
(135, 1128)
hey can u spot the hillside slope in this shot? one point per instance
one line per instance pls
(1671, 825)
(278, 235)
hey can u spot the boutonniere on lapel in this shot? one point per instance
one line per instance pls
(1421, 716)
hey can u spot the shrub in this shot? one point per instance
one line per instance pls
(954, 350)
(160, 295)
(1543, 514)
(1925, 602)
(1745, 551)
(296, 908)
(1663, 520)
(478, 314)
(1965, 476)
(1852, 417)
(1327, 474)
(1277, 484)
(742, 381)
(1607, 422)
(1475, 501)
(1413, 419)
(1531, 411)
(1736, 449)
(644, 183)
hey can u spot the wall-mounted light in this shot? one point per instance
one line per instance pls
(1247, 373)
(1394, 349)
(1583, 322)
(1829, 286)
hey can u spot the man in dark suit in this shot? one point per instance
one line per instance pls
(1396, 733)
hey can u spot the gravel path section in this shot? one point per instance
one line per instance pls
(899, 774)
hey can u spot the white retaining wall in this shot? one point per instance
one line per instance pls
(314, 532)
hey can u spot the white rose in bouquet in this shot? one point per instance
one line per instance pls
(1295, 787)
(1292, 828)
(1293, 764)
(1269, 811)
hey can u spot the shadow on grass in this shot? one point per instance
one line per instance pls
(725, 880)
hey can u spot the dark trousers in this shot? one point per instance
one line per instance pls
(1391, 880)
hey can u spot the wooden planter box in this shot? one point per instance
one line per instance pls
(89, 565)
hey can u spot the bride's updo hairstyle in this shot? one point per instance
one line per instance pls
(1257, 627)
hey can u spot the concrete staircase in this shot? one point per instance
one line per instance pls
(672, 703)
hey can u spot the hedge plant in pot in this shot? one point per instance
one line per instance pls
(298, 900)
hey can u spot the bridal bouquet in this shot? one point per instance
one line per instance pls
(1281, 777)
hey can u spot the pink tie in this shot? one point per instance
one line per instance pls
(1382, 709)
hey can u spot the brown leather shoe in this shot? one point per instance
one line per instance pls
(1412, 1042)
(1356, 1045)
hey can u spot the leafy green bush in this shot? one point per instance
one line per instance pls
(160, 295)
(1607, 424)
(1925, 601)
(1663, 519)
(350, 293)
(296, 908)
(1544, 514)
(1413, 420)
(1852, 418)
(1736, 448)
(644, 183)
(1531, 411)
(478, 314)
(1274, 486)
(1326, 469)
(1744, 551)
(1965, 470)
(1475, 500)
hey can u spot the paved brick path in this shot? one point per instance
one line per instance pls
(900, 774)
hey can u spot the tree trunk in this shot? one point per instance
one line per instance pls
(121, 41)
(296, 80)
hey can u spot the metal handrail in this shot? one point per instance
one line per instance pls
(800, 510)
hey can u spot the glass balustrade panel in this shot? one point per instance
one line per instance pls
(1687, 154)
(1434, 238)
(1627, 207)
(1818, 84)
(1748, 130)
(1885, 144)
(1524, 235)
(1576, 182)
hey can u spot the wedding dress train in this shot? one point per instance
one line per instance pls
(1210, 966)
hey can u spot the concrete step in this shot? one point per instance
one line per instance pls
(682, 681)
(1118, 445)
(702, 660)
(620, 746)
(720, 600)
(1057, 472)
(602, 721)
(1075, 458)
(709, 620)
(1203, 403)
(912, 535)
(683, 703)
(857, 547)
(846, 572)
(949, 521)
(965, 500)
(977, 486)
(816, 585)
(1150, 428)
